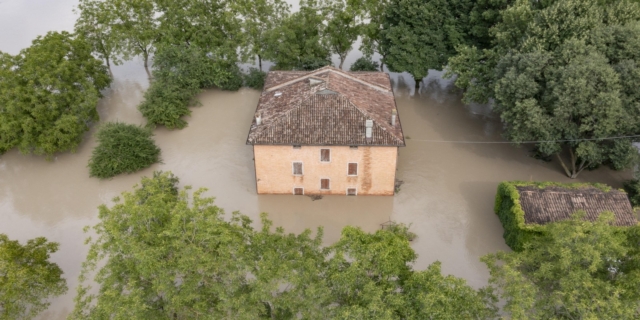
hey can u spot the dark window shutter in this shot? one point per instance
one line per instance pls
(325, 155)
(297, 168)
(324, 184)
(351, 191)
(298, 191)
(353, 169)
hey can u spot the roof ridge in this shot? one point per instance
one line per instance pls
(328, 69)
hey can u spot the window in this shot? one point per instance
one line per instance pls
(297, 168)
(352, 191)
(325, 155)
(298, 191)
(324, 184)
(353, 169)
(296, 146)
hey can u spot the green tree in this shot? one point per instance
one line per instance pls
(169, 255)
(96, 23)
(122, 148)
(258, 18)
(370, 15)
(561, 72)
(420, 35)
(342, 29)
(578, 270)
(27, 277)
(299, 42)
(364, 64)
(180, 73)
(49, 94)
(138, 28)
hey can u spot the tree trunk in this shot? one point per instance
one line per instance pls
(341, 62)
(382, 64)
(418, 83)
(260, 62)
(146, 64)
(109, 66)
(575, 171)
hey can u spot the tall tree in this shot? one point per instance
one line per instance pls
(299, 42)
(557, 75)
(27, 277)
(49, 94)
(96, 23)
(577, 270)
(258, 17)
(169, 255)
(136, 22)
(420, 35)
(370, 17)
(342, 28)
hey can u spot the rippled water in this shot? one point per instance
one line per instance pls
(447, 195)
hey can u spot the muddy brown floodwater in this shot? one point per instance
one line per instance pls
(447, 196)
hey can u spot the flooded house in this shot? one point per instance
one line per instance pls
(326, 132)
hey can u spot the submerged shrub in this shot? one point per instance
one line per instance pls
(632, 187)
(122, 148)
(365, 64)
(254, 78)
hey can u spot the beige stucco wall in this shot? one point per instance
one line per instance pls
(376, 169)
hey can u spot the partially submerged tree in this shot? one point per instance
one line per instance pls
(562, 73)
(364, 64)
(578, 270)
(49, 94)
(171, 255)
(138, 28)
(258, 18)
(342, 29)
(27, 278)
(370, 17)
(420, 35)
(97, 24)
(122, 148)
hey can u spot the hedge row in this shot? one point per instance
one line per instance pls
(510, 213)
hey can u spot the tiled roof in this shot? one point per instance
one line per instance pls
(327, 106)
(554, 204)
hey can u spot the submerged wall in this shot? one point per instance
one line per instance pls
(376, 169)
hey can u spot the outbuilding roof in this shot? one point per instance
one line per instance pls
(550, 204)
(327, 106)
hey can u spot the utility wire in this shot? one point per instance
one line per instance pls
(521, 142)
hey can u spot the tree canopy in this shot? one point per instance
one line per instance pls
(578, 270)
(49, 93)
(172, 254)
(27, 277)
(561, 72)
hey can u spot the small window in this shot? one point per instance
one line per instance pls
(296, 146)
(353, 169)
(298, 191)
(353, 147)
(325, 184)
(297, 168)
(352, 191)
(325, 155)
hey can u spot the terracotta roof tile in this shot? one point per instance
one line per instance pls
(326, 107)
(554, 204)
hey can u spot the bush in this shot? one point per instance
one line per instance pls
(511, 215)
(632, 187)
(365, 64)
(254, 78)
(180, 72)
(122, 148)
(310, 64)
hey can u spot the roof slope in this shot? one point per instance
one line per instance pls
(552, 204)
(326, 107)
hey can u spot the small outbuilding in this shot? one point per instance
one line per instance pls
(525, 207)
(326, 132)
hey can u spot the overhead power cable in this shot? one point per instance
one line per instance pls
(522, 142)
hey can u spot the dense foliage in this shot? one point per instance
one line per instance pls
(122, 148)
(562, 72)
(364, 64)
(254, 78)
(576, 270)
(632, 187)
(48, 94)
(172, 255)
(507, 206)
(27, 277)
